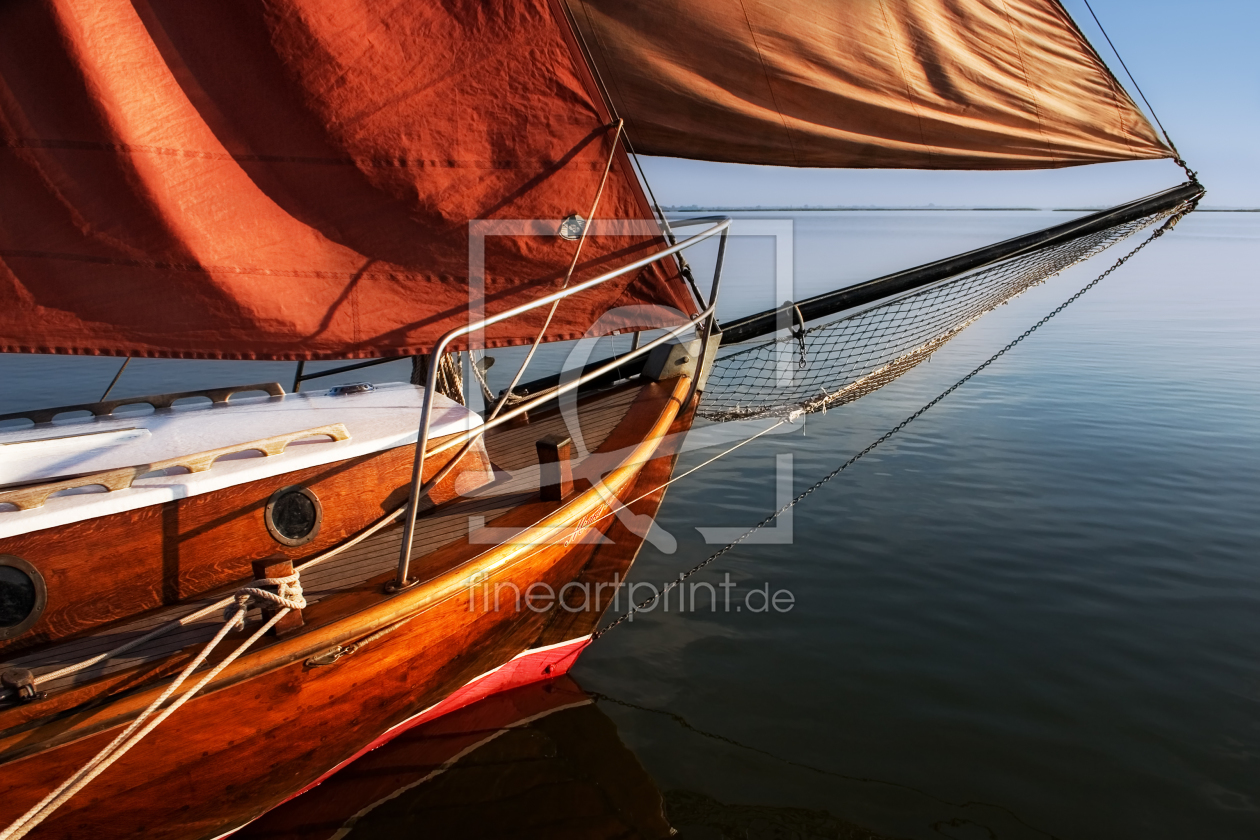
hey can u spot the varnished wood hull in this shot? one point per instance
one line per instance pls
(164, 554)
(271, 725)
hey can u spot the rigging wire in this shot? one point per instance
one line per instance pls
(1176, 154)
(577, 253)
(684, 267)
(114, 381)
(1164, 228)
(620, 506)
(127, 740)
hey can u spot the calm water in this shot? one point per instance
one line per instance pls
(1034, 613)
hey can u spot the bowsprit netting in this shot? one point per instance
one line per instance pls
(839, 361)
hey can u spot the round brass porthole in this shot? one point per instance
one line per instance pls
(293, 515)
(22, 596)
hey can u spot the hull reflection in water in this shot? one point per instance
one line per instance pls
(538, 761)
(697, 816)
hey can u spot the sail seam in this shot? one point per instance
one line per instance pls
(1032, 94)
(765, 72)
(596, 71)
(1113, 84)
(905, 79)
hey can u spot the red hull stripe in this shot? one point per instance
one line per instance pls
(526, 667)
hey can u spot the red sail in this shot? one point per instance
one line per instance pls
(295, 179)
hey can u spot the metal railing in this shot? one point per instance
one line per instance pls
(302, 376)
(703, 322)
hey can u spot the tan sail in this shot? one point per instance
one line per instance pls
(905, 84)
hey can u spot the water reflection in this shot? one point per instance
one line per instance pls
(539, 761)
(546, 761)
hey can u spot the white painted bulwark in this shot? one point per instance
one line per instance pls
(377, 420)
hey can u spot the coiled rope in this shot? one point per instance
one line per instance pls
(288, 592)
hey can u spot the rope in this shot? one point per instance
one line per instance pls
(1164, 228)
(696, 468)
(341, 651)
(288, 594)
(284, 598)
(476, 365)
(288, 597)
(590, 220)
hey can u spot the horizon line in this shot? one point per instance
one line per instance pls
(695, 208)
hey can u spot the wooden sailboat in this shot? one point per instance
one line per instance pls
(446, 647)
(294, 578)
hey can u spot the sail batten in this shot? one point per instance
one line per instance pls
(920, 84)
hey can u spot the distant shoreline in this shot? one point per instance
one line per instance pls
(695, 209)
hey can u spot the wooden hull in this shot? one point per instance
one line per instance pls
(271, 725)
(168, 553)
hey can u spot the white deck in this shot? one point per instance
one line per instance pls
(377, 420)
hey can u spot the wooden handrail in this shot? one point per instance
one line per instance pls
(28, 498)
(217, 396)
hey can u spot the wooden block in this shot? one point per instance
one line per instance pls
(277, 566)
(555, 469)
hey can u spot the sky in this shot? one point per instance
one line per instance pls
(1196, 61)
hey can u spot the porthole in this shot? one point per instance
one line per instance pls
(293, 515)
(22, 596)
